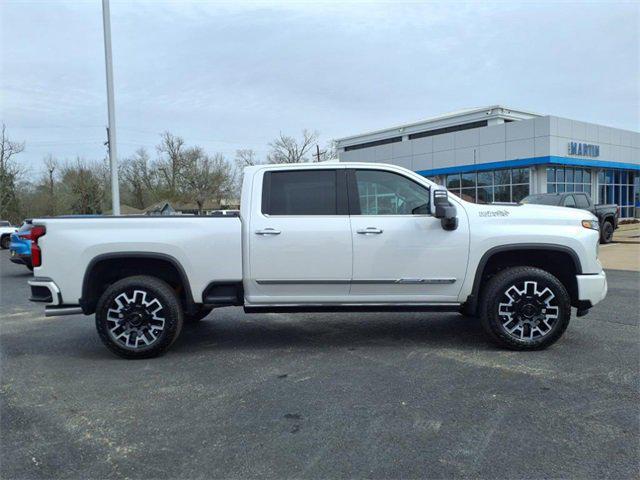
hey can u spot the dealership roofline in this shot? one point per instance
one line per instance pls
(448, 119)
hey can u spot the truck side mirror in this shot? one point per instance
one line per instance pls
(443, 210)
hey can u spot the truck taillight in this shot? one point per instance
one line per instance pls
(36, 253)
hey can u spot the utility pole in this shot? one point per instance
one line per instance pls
(318, 153)
(111, 130)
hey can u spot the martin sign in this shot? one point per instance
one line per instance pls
(584, 149)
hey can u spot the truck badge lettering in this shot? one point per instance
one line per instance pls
(494, 213)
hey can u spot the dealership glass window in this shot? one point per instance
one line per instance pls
(505, 185)
(453, 182)
(617, 186)
(568, 179)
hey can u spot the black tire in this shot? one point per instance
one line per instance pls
(606, 232)
(200, 313)
(527, 311)
(4, 242)
(160, 327)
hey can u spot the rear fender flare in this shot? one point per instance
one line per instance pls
(88, 305)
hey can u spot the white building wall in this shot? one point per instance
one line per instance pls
(535, 137)
(616, 145)
(495, 143)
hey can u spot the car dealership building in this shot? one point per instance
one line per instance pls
(498, 154)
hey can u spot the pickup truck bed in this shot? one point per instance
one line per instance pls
(206, 247)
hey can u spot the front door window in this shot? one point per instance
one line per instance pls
(387, 193)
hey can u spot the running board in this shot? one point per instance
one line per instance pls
(57, 311)
(443, 307)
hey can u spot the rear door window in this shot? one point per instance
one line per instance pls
(304, 192)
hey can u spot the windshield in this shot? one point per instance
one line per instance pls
(5, 224)
(541, 199)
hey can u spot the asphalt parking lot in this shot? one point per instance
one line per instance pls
(320, 396)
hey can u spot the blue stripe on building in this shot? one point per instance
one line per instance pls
(526, 162)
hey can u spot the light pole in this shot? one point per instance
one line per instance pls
(113, 158)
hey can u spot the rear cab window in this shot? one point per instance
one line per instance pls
(582, 201)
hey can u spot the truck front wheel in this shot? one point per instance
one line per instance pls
(606, 233)
(525, 308)
(139, 317)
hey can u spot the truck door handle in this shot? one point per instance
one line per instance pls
(370, 230)
(268, 231)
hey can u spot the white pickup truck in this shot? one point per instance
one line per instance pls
(324, 237)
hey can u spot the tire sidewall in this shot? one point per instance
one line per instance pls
(607, 232)
(494, 295)
(5, 242)
(171, 309)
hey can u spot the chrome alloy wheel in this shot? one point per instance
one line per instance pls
(134, 319)
(529, 312)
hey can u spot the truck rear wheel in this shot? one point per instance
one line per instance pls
(606, 232)
(139, 317)
(525, 308)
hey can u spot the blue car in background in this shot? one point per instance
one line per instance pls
(20, 246)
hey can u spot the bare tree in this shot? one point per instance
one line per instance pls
(244, 158)
(285, 149)
(84, 187)
(51, 164)
(206, 178)
(138, 178)
(10, 173)
(331, 151)
(171, 161)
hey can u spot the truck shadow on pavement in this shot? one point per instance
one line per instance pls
(313, 332)
(339, 330)
(237, 331)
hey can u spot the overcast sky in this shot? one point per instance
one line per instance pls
(233, 75)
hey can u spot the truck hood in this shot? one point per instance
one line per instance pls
(535, 214)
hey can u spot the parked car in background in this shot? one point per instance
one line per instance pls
(6, 229)
(323, 237)
(607, 214)
(20, 246)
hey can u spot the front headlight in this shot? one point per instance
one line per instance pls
(591, 224)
